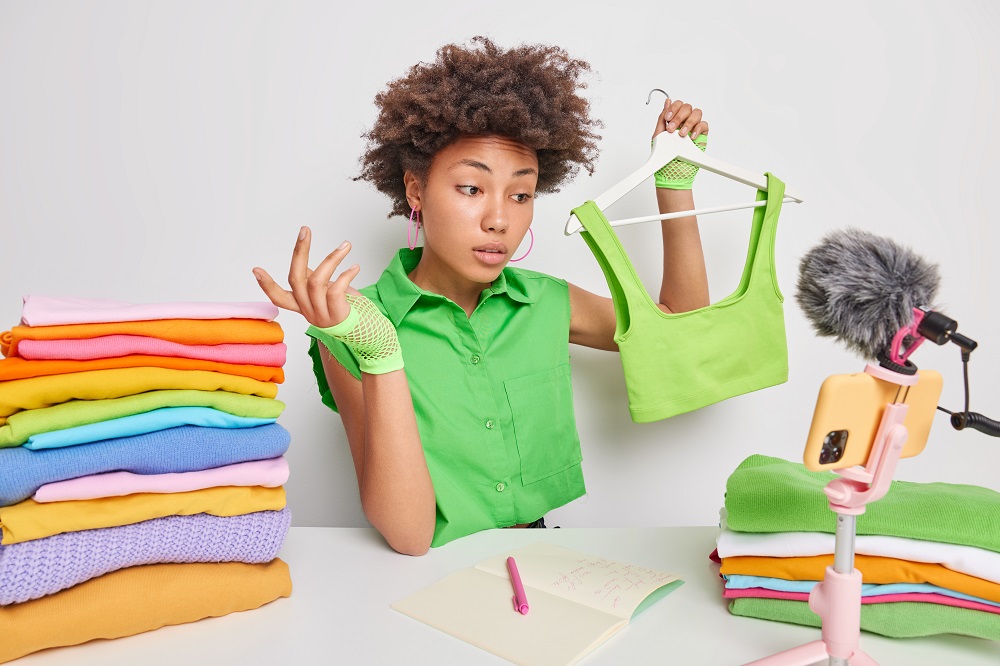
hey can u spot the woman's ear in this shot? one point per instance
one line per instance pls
(413, 189)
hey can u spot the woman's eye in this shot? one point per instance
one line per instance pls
(471, 190)
(522, 197)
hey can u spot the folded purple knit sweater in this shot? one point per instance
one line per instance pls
(41, 567)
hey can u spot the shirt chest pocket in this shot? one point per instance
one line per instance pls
(541, 406)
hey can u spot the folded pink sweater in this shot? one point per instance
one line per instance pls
(932, 598)
(269, 473)
(112, 346)
(56, 311)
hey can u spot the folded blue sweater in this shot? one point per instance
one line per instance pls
(182, 449)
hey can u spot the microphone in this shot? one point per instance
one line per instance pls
(861, 289)
(874, 296)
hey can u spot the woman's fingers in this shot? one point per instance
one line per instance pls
(318, 284)
(280, 297)
(298, 272)
(689, 122)
(678, 115)
(336, 303)
(661, 122)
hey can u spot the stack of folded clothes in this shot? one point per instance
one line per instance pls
(141, 468)
(929, 553)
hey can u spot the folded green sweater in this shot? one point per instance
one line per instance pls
(904, 619)
(768, 494)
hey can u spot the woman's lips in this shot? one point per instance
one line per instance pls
(490, 257)
(491, 253)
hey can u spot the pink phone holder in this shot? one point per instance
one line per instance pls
(837, 598)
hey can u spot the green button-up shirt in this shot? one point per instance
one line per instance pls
(491, 392)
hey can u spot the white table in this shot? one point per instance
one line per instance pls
(344, 580)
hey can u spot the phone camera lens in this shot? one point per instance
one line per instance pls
(834, 446)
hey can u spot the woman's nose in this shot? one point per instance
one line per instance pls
(495, 216)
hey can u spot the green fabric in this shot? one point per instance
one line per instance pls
(903, 619)
(492, 394)
(29, 422)
(369, 334)
(676, 363)
(768, 494)
(678, 174)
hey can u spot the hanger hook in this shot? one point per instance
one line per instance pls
(653, 91)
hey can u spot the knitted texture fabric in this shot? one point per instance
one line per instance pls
(38, 568)
(108, 346)
(183, 449)
(137, 599)
(767, 494)
(22, 425)
(61, 310)
(897, 620)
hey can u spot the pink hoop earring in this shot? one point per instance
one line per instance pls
(412, 244)
(531, 244)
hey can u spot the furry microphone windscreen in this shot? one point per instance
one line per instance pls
(862, 288)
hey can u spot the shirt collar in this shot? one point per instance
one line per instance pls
(398, 293)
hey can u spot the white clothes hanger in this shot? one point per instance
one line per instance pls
(666, 147)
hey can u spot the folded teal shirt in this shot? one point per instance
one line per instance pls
(139, 424)
(743, 582)
(768, 494)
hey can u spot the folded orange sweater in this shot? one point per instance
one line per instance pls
(139, 599)
(37, 392)
(879, 570)
(183, 331)
(19, 368)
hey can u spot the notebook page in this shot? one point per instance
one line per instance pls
(596, 582)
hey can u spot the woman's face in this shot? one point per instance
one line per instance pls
(476, 205)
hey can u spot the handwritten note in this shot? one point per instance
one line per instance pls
(597, 582)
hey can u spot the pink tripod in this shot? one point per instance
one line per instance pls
(837, 599)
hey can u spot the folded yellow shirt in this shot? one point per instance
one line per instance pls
(138, 599)
(29, 520)
(878, 570)
(38, 392)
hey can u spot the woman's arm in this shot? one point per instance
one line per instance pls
(685, 281)
(396, 491)
(397, 495)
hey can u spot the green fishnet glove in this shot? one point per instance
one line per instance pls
(368, 333)
(678, 174)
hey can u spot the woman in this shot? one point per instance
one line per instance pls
(476, 428)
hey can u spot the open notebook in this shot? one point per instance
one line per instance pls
(577, 602)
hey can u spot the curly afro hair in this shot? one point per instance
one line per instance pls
(527, 93)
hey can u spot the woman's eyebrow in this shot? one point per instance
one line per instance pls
(482, 167)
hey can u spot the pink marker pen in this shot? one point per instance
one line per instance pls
(519, 598)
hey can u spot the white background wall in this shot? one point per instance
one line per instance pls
(156, 151)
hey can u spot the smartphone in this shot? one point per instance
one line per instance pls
(849, 410)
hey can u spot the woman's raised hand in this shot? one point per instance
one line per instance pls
(320, 301)
(678, 115)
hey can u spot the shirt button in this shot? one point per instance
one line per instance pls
(474, 359)
(501, 487)
(489, 424)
